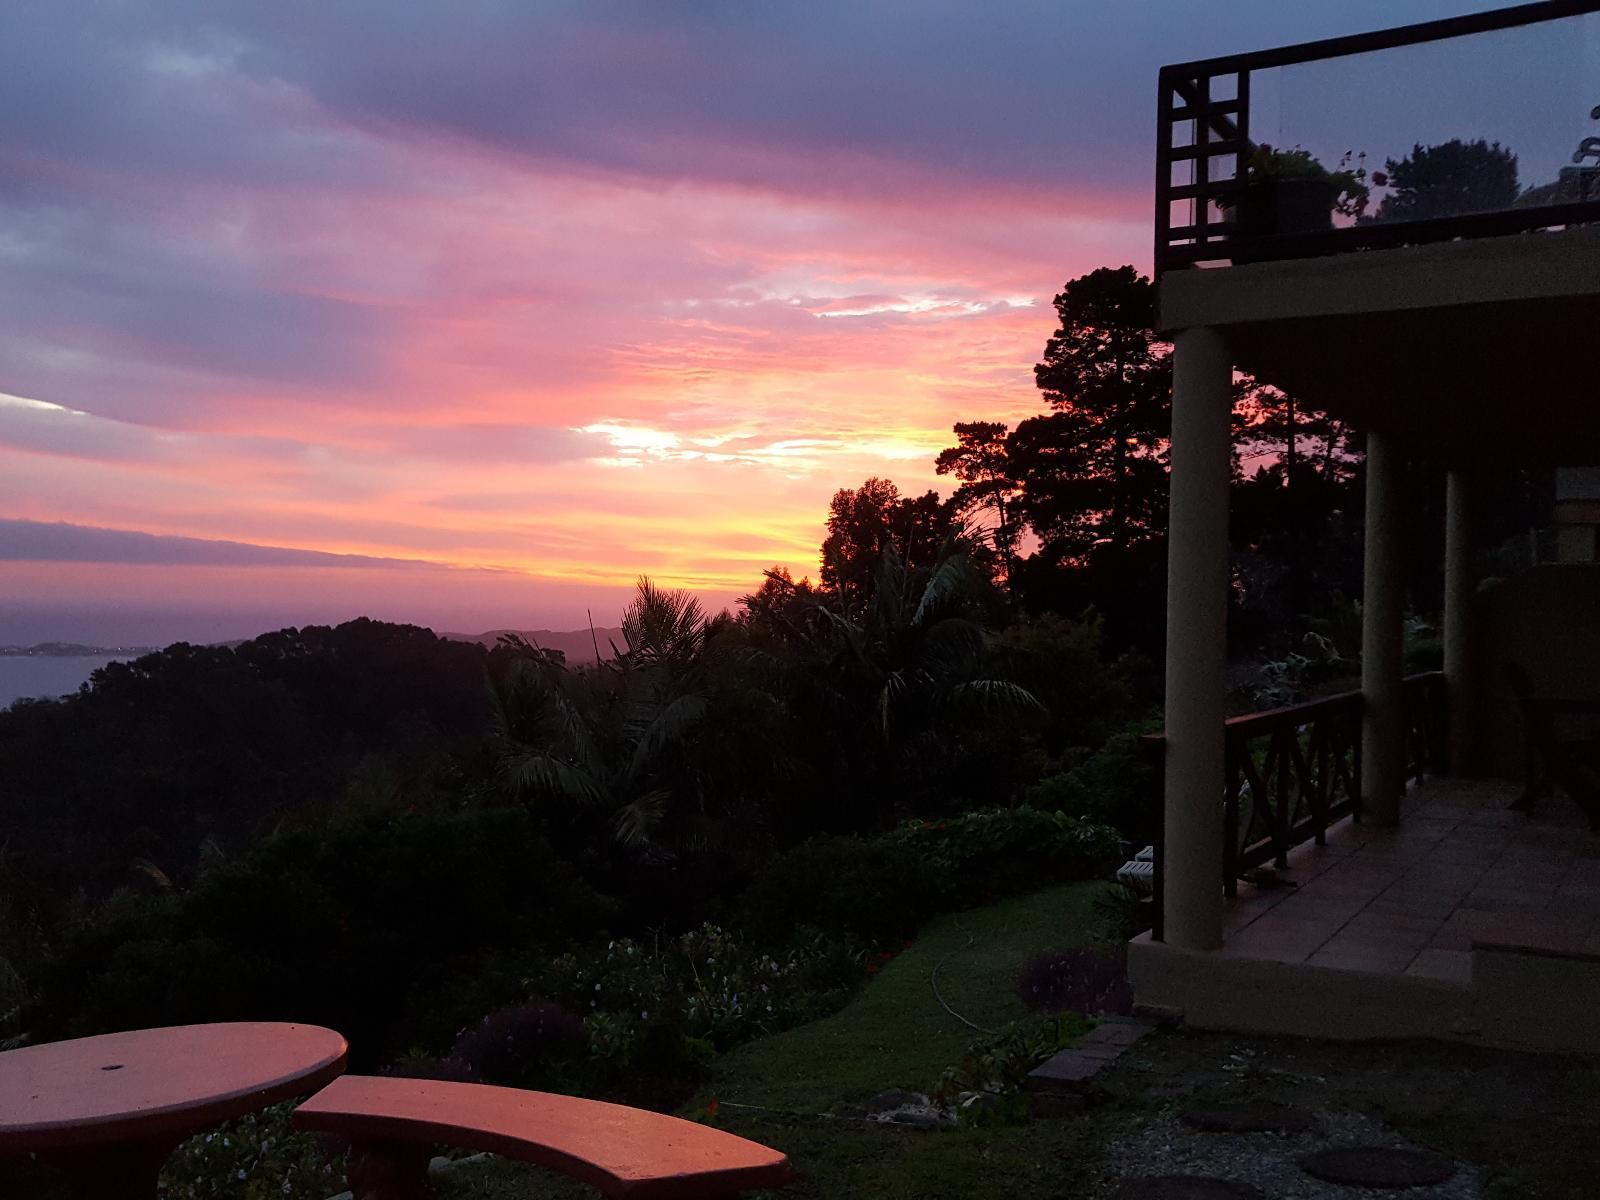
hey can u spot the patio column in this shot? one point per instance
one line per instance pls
(1460, 687)
(1382, 649)
(1197, 617)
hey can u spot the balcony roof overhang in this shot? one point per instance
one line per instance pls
(1485, 348)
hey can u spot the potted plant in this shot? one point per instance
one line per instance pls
(1290, 192)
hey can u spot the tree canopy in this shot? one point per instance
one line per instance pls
(980, 461)
(1093, 470)
(1451, 179)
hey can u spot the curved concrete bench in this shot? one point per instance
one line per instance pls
(625, 1152)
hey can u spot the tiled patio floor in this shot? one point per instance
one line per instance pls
(1461, 868)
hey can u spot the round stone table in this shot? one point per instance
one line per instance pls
(107, 1111)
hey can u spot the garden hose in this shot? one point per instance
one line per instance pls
(933, 979)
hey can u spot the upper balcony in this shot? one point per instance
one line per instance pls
(1464, 128)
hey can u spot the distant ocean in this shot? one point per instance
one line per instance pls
(46, 676)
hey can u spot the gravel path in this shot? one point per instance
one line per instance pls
(1166, 1146)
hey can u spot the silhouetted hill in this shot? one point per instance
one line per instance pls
(577, 644)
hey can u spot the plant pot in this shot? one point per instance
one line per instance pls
(1271, 207)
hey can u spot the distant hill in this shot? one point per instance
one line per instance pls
(578, 644)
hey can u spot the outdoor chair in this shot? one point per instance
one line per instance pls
(1551, 756)
(393, 1124)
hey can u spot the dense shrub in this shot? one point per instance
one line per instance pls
(997, 1063)
(884, 887)
(257, 1157)
(867, 888)
(1118, 784)
(360, 927)
(522, 1046)
(998, 851)
(709, 984)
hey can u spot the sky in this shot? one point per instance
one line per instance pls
(469, 314)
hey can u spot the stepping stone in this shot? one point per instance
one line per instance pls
(1378, 1167)
(1185, 1187)
(1065, 1071)
(1255, 1116)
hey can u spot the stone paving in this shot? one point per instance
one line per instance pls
(1072, 1072)
(1462, 868)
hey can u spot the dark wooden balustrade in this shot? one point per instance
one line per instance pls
(1427, 709)
(1292, 772)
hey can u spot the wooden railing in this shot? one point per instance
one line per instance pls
(1292, 772)
(1427, 712)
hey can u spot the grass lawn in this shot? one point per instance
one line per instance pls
(1529, 1123)
(895, 1034)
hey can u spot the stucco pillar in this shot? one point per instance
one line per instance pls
(1197, 617)
(1460, 685)
(1382, 650)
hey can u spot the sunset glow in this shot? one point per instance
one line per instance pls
(451, 297)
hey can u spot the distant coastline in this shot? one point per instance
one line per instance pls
(73, 650)
(30, 673)
(50, 670)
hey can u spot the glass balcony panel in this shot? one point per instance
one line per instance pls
(1468, 125)
(1501, 123)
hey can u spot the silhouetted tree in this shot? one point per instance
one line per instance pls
(1448, 180)
(1093, 471)
(617, 737)
(864, 522)
(980, 461)
(1291, 501)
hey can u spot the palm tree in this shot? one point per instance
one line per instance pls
(886, 693)
(613, 736)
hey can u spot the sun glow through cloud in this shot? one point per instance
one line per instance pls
(605, 298)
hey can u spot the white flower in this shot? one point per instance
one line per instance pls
(242, 1175)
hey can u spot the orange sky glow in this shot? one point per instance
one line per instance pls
(470, 315)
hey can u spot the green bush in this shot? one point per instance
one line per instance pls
(883, 888)
(710, 984)
(1119, 784)
(257, 1157)
(993, 852)
(998, 1064)
(362, 927)
(872, 889)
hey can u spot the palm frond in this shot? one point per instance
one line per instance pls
(898, 684)
(892, 583)
(637, 820)
(545, 775)
(669, 725)
(663, 625)
(950, 582)
(951, 646)
(990, 696)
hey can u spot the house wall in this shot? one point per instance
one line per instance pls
(1517, 998)
(1547, 619)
